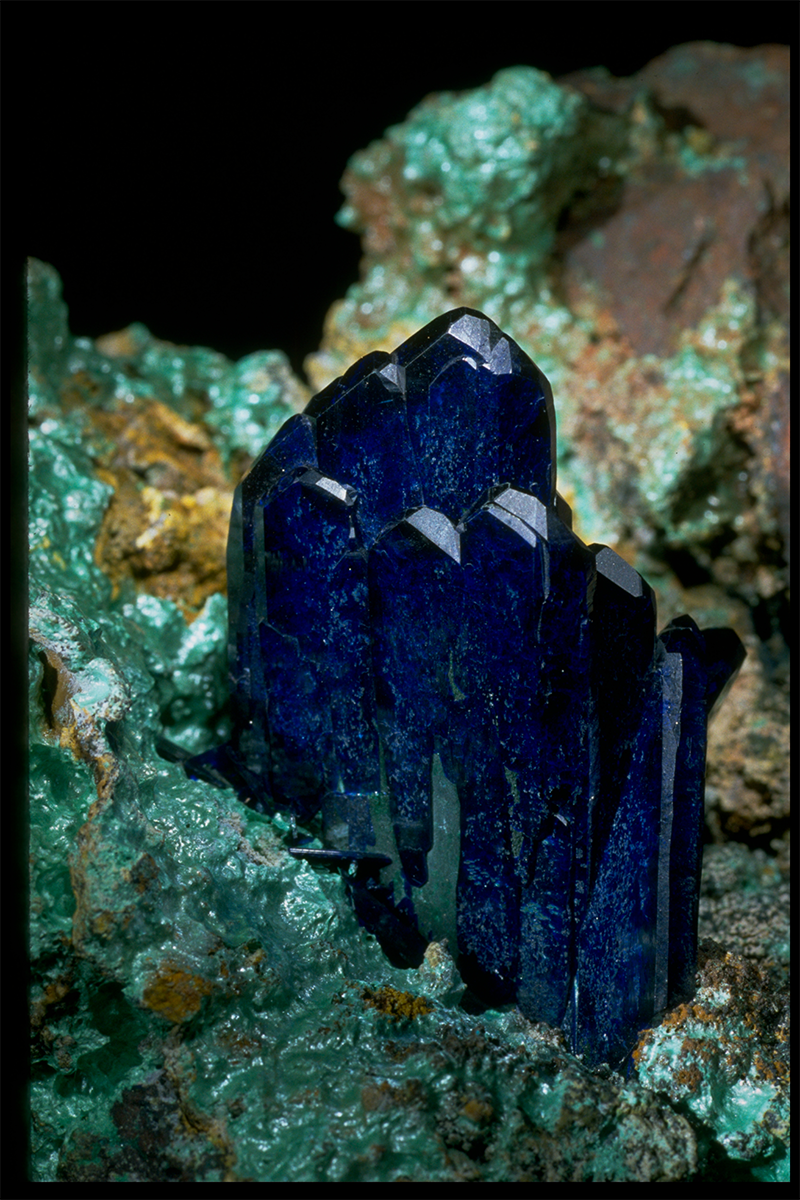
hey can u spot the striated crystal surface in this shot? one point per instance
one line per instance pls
(473, 704)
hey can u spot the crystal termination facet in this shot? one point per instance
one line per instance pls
(425, 658)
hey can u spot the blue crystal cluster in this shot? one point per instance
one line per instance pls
(471, 703)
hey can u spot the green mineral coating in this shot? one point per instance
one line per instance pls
(244, 402)
(474, 183)
(198, 995)
(253, 399)
(719, 1083)
(465, 199)
(697, 162)
(686, 480)
(490, 169)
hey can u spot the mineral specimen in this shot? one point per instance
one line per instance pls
(472, 704)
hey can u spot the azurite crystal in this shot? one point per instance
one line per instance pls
(502, 751)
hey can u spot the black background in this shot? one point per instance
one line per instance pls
(180, 162)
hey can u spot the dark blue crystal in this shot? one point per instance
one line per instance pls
(471, 703)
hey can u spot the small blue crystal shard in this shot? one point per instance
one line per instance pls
(472, 704)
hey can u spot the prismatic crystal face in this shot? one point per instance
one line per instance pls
(472, 704)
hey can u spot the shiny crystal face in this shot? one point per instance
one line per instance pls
(471, 704)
